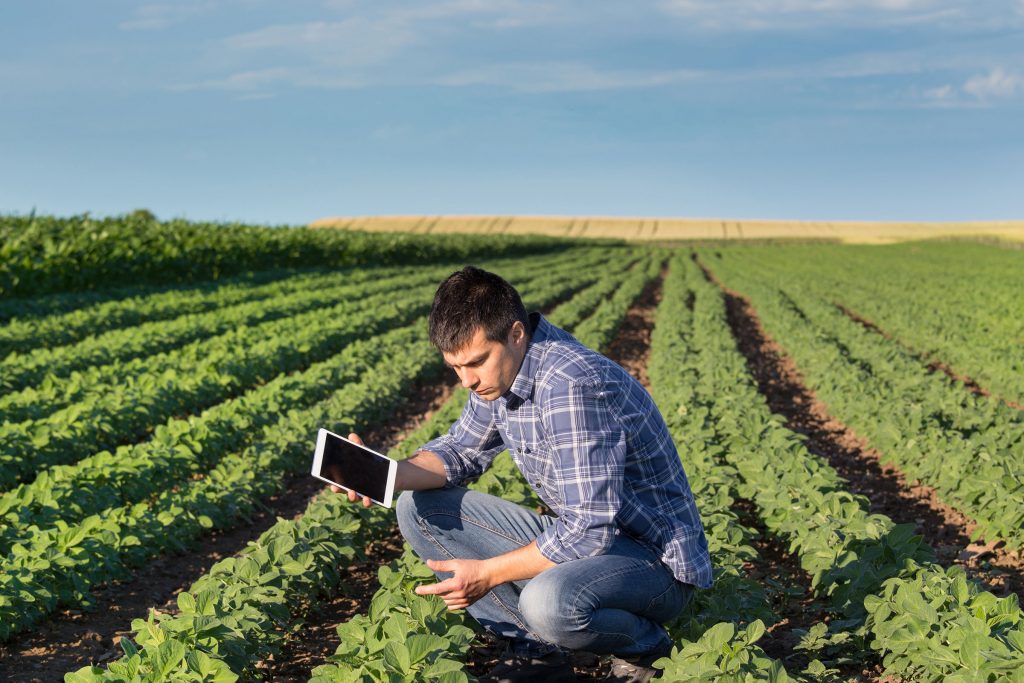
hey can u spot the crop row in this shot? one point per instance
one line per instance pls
(956, 303)
(966, 447)
(189, 446)
(235, 615)
(421, 629)
(149, 338)
(878, 577)
(29, 332)
(42, 254)
(58, 566)
(211, 371)
(125, 412)
(18, 312)
(96, 352)
(717, 633)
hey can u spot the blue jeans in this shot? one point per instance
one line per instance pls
(613, 603)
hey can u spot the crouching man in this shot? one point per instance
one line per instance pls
(625, 547)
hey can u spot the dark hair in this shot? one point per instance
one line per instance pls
(472, 298)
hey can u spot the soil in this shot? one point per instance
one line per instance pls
(71, 639)
(632, 344)
(933, 364)
(888, 491)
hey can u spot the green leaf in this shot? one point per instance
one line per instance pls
(167, 658)
(420, 645)
(396, 655)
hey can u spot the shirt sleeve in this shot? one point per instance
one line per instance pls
(471, 443)
(589, 451)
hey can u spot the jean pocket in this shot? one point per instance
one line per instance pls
(668, 604)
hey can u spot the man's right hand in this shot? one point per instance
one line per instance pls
(352, 495)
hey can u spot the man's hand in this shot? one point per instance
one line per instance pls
(352, 495)
(470, 583)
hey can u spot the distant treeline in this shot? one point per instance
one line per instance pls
(48, 254)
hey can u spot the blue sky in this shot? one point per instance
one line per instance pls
(275, 112)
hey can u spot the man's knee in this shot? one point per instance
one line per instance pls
(412, 506)
(552, 608)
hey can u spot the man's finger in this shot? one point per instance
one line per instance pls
(440, 565)
(355, 438)
(439, 588)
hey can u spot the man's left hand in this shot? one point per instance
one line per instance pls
(470, 582)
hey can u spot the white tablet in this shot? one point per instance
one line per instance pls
(353, 467)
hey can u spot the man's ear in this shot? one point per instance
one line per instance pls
(517, 333)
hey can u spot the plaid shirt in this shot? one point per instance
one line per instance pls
(591, 442)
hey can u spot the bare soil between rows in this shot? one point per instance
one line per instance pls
(888, 491)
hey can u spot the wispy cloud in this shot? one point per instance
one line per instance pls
(159, 16)
(996, 84)
(258, 79)
(978, 91)
(565, 77)
(760, 15)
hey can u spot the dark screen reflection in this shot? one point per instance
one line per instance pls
(355, 468)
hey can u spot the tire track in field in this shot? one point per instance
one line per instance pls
(71, 639)
(888, 491)
(933, 364)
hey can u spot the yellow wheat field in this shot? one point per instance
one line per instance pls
(679, 228)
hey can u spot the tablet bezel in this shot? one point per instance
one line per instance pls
(389, 491)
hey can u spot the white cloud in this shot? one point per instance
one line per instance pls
(355, 41)
(157, 16)
(757, 15)
(258, 79)
(996, 84)
(942, 93)
(564, 76)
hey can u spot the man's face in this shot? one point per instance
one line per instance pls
(486, 367)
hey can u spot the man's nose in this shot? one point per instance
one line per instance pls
(469, 379)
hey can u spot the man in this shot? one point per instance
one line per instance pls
(626, 547)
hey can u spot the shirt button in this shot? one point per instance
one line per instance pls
(526, 450)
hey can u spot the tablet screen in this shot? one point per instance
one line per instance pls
(355, 468)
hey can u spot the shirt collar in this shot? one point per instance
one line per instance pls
(522, 386)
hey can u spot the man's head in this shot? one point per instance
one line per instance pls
(480, 326)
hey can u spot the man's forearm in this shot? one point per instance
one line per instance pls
(518, 564)
(424, 470)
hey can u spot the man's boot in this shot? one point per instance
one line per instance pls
(636, 669)
(512, 668)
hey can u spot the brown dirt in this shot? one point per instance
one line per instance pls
(933, 364)
(632, 344)
(317, 638)
(946, 529)
(71, 639)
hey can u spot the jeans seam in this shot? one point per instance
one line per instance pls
(473, 521)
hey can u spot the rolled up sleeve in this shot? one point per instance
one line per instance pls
(470, 445)
(589, 451)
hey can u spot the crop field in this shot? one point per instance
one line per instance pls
(850, 417)
(676, 229)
